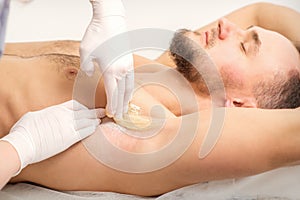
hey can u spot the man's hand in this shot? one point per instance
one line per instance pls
(108, 21)
(41, 134)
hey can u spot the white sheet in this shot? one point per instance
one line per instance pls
(279, 184)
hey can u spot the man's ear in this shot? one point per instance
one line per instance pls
(241, 102)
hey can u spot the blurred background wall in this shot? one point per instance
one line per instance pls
(39, 20)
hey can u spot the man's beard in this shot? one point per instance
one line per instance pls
(194, 63)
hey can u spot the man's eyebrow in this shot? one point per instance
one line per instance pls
(255, 37)
(257, 42)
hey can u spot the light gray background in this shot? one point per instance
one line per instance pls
(41, 20)
(67, 19)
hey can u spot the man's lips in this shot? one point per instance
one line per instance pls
(206, 37)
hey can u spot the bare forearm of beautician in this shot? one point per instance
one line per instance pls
(9, 162)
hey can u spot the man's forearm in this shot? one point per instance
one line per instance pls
(281, 19)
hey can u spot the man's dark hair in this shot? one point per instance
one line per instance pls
(279, 93)
(282, 92)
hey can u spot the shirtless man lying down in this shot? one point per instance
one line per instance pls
(38, 75)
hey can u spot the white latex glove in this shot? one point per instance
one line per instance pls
(41, 134)
(108, 21)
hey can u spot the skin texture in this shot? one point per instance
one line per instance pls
(77, 169)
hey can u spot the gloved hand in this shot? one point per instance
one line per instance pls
(41, 134)
(108, 21)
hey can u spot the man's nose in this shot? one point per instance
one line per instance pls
(227, 28)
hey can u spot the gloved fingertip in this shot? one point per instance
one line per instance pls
(89, 73)
(100, 112)
(119, 112)
(88, 67)
(109, 114)
(125, 108)
(118, 116)
(97, 122)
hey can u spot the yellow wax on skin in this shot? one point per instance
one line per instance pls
(133, 120)
(108, 115)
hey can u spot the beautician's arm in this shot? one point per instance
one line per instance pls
(10, 162)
